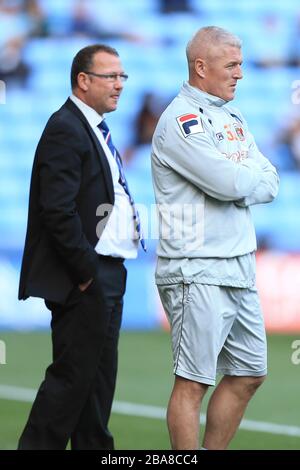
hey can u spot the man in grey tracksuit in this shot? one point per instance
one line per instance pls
(207, 171)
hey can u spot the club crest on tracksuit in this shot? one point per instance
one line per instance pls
(190, 124)
(239, 131)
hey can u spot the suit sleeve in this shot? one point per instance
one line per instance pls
(197, 159)
(60, 155)
(267, 188)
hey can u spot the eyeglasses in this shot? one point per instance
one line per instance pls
(110, 77)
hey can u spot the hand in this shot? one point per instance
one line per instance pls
(85, 285)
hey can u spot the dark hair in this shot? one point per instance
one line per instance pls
(83, 60)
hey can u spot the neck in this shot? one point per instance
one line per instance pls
(80, 95)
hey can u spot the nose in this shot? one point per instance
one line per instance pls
(238, 73)
(118, 82)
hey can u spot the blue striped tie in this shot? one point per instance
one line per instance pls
(122, 180)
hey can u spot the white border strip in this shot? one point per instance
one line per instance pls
(8, 392)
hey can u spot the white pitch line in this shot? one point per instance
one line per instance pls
(8, 392)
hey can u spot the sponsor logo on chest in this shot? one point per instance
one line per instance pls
(190, 124)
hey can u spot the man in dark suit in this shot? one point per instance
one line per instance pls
(73, 257)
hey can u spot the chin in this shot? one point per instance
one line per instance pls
(110, 109)
(230, 97)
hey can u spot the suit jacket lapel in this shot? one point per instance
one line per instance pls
(104, 163)
(102, 157)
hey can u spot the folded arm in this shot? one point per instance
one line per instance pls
(267, 188)
(198, 160)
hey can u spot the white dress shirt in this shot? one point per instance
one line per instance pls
(117, 238)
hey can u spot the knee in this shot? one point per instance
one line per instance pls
(190, 390)
(251, 384)
(256, 382)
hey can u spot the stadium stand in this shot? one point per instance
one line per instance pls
(155, 62)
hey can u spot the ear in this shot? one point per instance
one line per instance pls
(200, 67)
(83, 81)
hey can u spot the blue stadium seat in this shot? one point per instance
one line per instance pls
(156, 64)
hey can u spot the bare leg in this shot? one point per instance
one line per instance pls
(183, 413)
(226, 408)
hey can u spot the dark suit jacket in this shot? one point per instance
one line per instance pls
(70, 179)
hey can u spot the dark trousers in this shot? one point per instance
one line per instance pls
(74, 400)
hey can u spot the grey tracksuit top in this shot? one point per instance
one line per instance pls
(207, 171)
